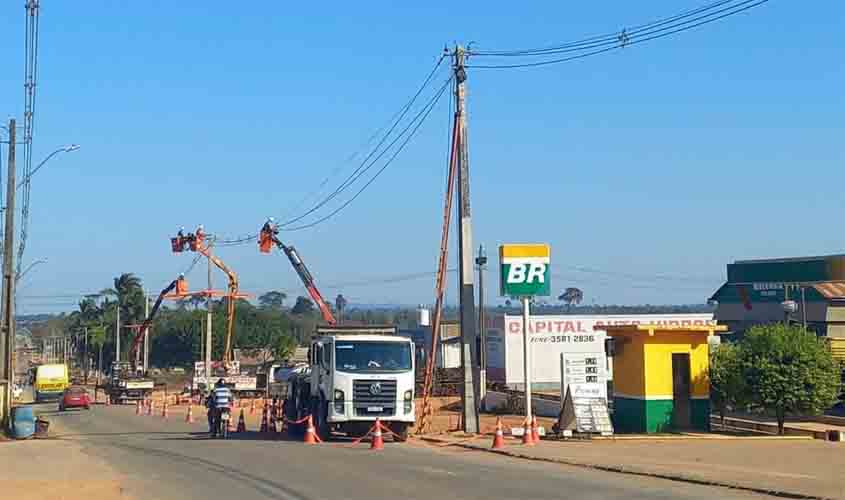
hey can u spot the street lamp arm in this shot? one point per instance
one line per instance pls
(63, 149)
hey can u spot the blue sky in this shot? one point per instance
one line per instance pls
(667, 158)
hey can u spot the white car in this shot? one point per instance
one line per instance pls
(17, 392)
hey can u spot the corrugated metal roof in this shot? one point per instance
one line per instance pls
(831, 289)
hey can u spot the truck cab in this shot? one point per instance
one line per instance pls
(355, 375)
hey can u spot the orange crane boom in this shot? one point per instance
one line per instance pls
(266, 240)
(149, 319)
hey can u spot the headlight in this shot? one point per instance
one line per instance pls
(338, 401)
(409, 401)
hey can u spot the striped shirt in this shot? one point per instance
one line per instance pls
(222, 397)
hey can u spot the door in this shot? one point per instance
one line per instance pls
(680, 391)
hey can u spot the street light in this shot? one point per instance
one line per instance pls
(63, 149)
(29, 267)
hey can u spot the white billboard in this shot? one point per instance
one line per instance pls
(551, 336)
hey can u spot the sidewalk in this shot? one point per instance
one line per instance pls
(795, 468)
(36, 469)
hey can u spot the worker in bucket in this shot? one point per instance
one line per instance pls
(270, 227)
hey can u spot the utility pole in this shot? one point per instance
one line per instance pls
(481, 260)
(7, 342)
(117, 331)
(146, 335)
(208, 332)
(86, 361)
(469, 389)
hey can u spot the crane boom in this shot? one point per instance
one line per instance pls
(149, 319)
(307, 280)
(230, 302)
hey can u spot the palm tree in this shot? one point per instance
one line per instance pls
(130, 298)
(571, 296)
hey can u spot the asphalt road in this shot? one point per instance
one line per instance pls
(159, 459)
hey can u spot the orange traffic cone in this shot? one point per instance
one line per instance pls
(527, 435)
(310, 433)
(152, 409)
(241, 422)
(164, 410)
(229, 425)
(252, 407)
(499, 440)
(138, 407)
(264, 421)
(378, 442)
(535, 430)
(189, 417)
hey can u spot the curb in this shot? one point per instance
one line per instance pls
(621, 469)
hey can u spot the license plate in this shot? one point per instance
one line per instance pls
(225, 416)
(375, 408)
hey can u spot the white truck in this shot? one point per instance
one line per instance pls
(355, 375)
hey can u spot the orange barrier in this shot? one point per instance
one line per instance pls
(499, 439)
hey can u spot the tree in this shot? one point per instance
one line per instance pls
(303, 306)
(727, 384)
(571, 296)
(272, 300)
(788, 370)
(284, 346)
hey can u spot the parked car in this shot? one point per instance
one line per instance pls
(75, 397)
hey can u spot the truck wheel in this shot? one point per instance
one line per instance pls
(400, 432)
(321, 424)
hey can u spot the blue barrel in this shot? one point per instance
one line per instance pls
(23, 422)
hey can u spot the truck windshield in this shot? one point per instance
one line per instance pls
(369, 356)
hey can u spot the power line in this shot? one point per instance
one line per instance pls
(394, 120)
(624, 39)
(420, 119)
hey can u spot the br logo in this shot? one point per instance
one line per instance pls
(524, 270)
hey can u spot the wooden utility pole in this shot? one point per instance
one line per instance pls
(7, 325)
(469, 355)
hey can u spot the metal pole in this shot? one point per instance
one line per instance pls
(803, 308)
(117, 331)
(526, 354)
(7, 342)
(86, 361)
(481, 260)
(146, 335)
(467, 294)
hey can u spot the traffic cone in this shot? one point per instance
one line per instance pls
(149, 407)
(378, 442)
(138, 407)
(527, 434)
(241, 422)
(310, 437)
(264, 422)
(230, 426)
(535, 430)
(499, 440)
(252, 407)
(164, 410)
(108, 400)
(189, 417)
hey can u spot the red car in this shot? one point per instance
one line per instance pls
(75, 397)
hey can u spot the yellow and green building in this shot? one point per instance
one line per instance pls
(660, 377)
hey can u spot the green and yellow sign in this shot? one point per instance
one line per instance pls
(525, 270)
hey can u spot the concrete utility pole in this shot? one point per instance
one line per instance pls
(208, 332)
(85, 361)
(469, 390)
(481, 260)
(7, 325)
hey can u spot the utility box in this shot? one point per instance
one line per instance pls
(661, 377)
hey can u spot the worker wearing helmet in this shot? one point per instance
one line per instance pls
(219, 398)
